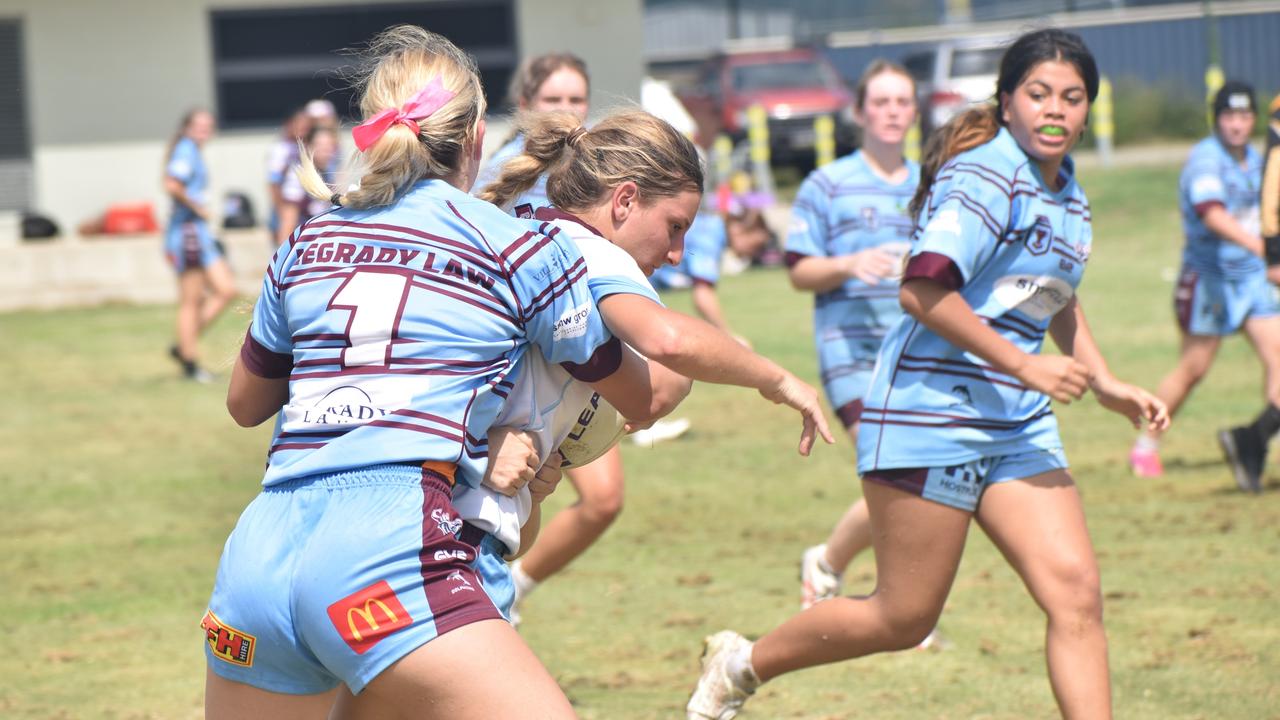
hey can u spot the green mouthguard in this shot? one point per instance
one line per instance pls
(1051, 130)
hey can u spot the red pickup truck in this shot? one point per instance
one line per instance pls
(794, 87)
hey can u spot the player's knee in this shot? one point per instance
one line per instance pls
(907, 624)
(602, 509)
(1076, 594)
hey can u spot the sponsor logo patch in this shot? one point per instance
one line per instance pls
(573, 323)
(1038, 296)
(448, 526)
(367, 616)
(229, 644)
(947, 222)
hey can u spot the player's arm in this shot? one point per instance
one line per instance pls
(251, 398)
(178, 191)
(698, 350)
(1269, 199)
(819, 274)
(1070, 331)
(641, 391)
(288, 220)
(944, 311)
(1224, 225)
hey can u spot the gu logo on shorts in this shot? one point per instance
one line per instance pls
(365, 617)
(228, 643)
(1040, 236)
(448, 526)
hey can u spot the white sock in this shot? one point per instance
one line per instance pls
(1146, 442)
(823, 562)
(741, 671)
(524, 584)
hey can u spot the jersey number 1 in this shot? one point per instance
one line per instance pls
(376, 301)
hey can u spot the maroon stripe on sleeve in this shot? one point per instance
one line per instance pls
(791, 258)
(1204, 207)
(261, 361)
(604, 362)
(849, 413)
(936, 267)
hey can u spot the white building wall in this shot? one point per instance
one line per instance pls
(108, 80)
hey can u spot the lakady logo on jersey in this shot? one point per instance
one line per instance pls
(227, 643)
(367, 616)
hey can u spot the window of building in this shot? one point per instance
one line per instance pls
(269, 62)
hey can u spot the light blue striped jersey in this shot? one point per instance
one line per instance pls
(1020, 250)
(535, 197)
(704, 244)
(186, 165)
(841, 209)
(1211, 176)
(399, 327)
(545, 400)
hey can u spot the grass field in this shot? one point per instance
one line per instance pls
(121, 483)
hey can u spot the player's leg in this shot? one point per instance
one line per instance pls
(1038, 524)
(1245, 446)
(222, 290)
(482, 670)
(822, 566)
(918, 544)
(230, 700)
(600, 489)
(187, 321)
(1194, 360)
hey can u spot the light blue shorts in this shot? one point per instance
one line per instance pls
(961, 486)
(1213, 305)
(190, 245)
(335, 577)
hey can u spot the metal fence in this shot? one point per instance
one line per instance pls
(1168, 45)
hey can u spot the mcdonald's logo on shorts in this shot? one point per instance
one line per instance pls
(367, 616)
(226, 642)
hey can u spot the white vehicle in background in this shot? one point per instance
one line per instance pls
(953, 76)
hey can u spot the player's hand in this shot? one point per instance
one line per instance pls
(513, 460)
(793, 391)
(871, 265)
(544, 482)
(1132, 402)
(1060, 377)
(1273, 274)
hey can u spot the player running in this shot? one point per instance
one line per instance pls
(957, 422)
(1223, 286)
(205, 283)
(849, 234)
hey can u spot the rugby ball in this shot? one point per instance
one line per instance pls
(598, 427)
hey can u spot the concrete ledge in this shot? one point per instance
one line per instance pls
(76, 272)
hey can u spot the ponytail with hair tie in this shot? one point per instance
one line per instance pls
(575, 135)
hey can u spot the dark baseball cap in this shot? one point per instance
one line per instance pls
(1234, 95)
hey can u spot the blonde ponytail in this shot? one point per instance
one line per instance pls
(398, 63)
(546, 145)
(584, 165)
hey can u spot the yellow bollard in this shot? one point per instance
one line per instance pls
(824, 140)
(758, 138)
(911, 143)
(722, 154)
(1213, 81)
(758, 134)
(1104, 123)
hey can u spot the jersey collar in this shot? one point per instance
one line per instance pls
(547, 214)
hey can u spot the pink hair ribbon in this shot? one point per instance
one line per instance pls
(428, 100)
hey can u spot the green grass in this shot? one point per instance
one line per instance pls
(121, 483)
